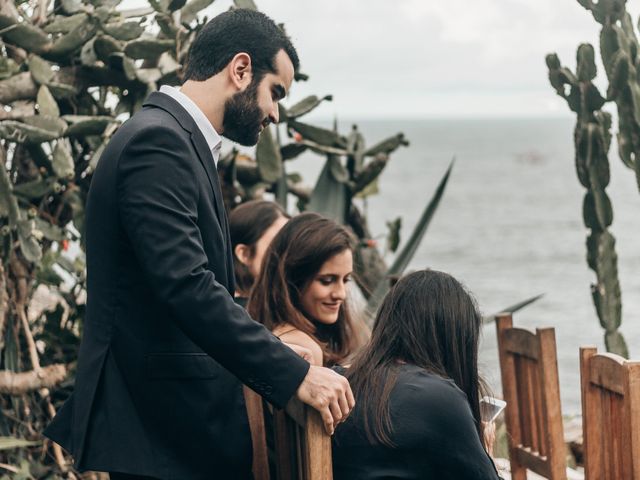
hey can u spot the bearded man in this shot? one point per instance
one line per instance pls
(164, 347)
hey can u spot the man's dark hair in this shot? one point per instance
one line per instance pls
(238, 30)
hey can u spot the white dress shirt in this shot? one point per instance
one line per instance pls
(210, 135)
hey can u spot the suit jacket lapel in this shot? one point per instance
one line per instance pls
(206, 159)
(200, 145)
(205, 156)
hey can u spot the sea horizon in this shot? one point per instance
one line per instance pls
(509, 225)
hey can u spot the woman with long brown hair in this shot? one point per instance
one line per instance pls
(417, 388)
(301, 292)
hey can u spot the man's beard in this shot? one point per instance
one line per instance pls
(243, 117)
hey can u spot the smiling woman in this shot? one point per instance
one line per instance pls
(322, 298)
(301, 292)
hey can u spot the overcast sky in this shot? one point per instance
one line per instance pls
(433, 58)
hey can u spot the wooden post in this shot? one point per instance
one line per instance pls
(551, 410)
(318, 463)
(590, 417)
(504, 321)
(255, 412)
(632, 397)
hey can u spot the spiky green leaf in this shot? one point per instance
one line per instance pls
(8, 68)
(47, 105)
(124, 31)
(87, 124)
(29, 245)
(148, 48)
(189, 12)
(62, 90)
(75, 39)
(22, 133)
(24, 35)
(330, 197)
(65, 24)
(513, 308)
(306, 105)
(248, 4)
(36, 189)
(393, 235)
(268, 157)
(292, 150)
(47, 122)
(105, 46)
(40, 70)
(62, 160)
(319, 135)
(408, 250)
(387, 146)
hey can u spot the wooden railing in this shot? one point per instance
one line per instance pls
(289, 444)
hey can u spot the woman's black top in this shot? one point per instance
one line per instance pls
(433, 431)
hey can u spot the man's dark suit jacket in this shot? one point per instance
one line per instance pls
(156, 391)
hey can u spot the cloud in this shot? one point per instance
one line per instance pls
(430, 57)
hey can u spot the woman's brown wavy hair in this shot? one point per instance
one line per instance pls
(294, 257)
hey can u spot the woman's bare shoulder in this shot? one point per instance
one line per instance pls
(289, 334)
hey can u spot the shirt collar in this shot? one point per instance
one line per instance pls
(210, 135)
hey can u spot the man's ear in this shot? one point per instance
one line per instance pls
(243, 253)
(240, 70)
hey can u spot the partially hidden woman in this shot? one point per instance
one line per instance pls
(301, 291)
(417, 388)
(252, 226)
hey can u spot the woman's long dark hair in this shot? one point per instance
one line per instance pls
(427, 319)
(247, 223)
(294, 257)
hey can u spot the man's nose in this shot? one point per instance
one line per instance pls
(274, 116)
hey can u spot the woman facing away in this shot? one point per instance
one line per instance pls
(252, 226)
(417, 388)
(301, 291)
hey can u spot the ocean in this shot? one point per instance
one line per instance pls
(509, 225)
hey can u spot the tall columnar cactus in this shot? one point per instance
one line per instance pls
(592, 136)
(619, 50)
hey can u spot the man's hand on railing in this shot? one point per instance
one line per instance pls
(329, 393)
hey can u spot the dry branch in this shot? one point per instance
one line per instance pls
(12, 383)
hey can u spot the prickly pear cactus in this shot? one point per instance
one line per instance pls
(592, 136)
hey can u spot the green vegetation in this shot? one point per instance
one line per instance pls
(619, 53)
